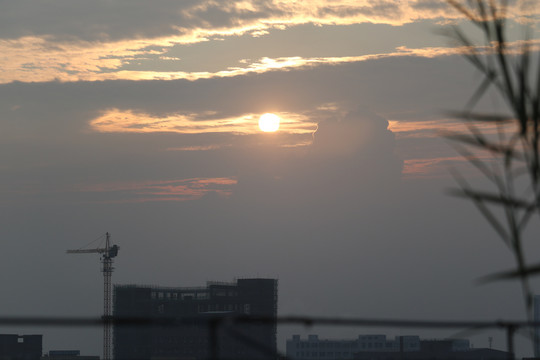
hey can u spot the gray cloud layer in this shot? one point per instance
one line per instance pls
(122, 19)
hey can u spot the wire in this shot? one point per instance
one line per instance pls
(102, 237)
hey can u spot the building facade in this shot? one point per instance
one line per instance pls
(330, 349)
(371, 347)
(20, 347)
(255, 297)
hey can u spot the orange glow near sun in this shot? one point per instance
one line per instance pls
(269, 122)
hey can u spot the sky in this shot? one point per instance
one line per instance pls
(140, 118)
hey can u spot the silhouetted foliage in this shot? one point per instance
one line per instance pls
(511, 68)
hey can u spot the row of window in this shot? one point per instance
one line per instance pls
(244, 308)
(173, 295)
(179, 295)
(303, 345)
(353, 345)
(322, 354)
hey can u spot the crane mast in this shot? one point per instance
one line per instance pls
(107, 254)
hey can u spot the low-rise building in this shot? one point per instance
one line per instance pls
(333, 349)
(20, 347)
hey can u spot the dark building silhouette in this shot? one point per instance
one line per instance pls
(20, 347)
(256, 297)
(67, 355)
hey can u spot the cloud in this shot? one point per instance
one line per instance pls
(162, 190)
(137, 19)
(351, 155)
(34, 60)
(440, 127)
(115, 120)
(132, 19)
(133, 40)
(102, 123)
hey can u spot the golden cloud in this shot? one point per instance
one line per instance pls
(439, 127)
(35, 60)
(128, 121)
(47, 58)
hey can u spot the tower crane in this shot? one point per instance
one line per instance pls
(108, 252)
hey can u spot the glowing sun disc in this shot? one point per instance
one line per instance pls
(269, 122)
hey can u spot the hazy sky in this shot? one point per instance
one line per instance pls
(140, 118)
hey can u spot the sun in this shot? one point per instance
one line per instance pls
(269, 122)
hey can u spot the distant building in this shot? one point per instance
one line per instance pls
(444, 345)
(67, 355)
(472, 354)
(327, 349)
(378, 347)
(20, 347)
(257, 297)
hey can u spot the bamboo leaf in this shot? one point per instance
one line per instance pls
(485, 212)
(484, 144)
(494, 198)
(511, 274)
(482, 117)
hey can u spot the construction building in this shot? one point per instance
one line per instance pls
(194, 308)
(20, 347)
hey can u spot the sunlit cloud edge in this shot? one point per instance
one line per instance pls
(130, 121)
